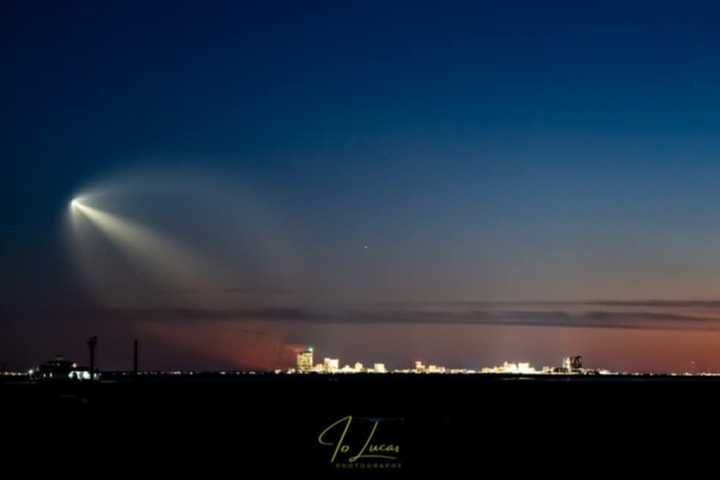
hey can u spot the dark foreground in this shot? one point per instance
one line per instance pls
(444, 424)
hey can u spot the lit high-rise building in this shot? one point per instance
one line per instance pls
(331, 364)
(305, 360)
(576, 362)
(567, 364)
(573, 364)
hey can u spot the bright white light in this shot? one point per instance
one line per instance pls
(160, 259)
(162, 238)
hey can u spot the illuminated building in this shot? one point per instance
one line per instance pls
(570, 365)
(331, 365)
(576, 362)
(60, 369)
(573, 364)
(305, 360)
(515, 368)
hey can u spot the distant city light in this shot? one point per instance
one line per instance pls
(570, 366)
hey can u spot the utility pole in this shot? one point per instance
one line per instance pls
(92, 343)
(136, 351)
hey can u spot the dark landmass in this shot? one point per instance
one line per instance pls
(442, 423)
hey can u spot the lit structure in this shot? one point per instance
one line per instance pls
(572, 365)
(305, 360)
(331, 365)
(576, 362)
(60, 369)
(523, 368)
(379, 368)
(435, 369)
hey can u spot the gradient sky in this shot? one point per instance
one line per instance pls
(343, 155)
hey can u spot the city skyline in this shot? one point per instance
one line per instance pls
(652, 336)
(62, 369)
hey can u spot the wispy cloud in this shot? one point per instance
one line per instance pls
(641, 315)
(616, 315)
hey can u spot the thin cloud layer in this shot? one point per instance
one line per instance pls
(621, 315)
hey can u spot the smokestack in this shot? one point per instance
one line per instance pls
(136, 348)
(92, 343)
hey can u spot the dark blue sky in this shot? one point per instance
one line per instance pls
(476, 121)
(544, 150)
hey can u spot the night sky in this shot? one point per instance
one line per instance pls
(458, 183)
